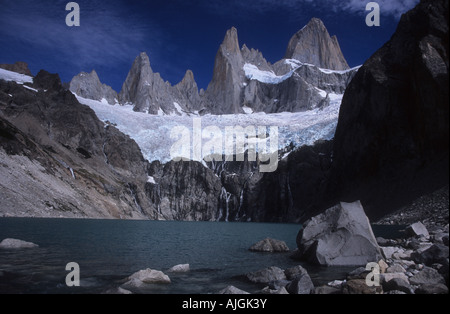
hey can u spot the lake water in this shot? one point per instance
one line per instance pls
(110, 250)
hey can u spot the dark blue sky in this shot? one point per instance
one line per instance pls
(177, 34)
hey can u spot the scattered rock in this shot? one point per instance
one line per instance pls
(385, 242)
(435, 254)
(383, 266)
(327, 290)
(359, 286)
(395, 292)
(118, 290)
(232, 290)
(417, 229)
(302, 284)
(432, 289)
(359, 273)
(342, 236)
(267, 290)
(396, 268)
(398, 284)
(389, 251)
(427, 276)
(16, 244)
(277, 285)
(337, 284)
(270, 245)
(183, 268)
(390, 276)
(294, 272)
(438, 237)
(267, 275)
(147, 276)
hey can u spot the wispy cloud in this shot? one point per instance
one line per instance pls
(393, 8)
(109, 34)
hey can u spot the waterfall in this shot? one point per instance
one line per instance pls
(65, 165)
(228, 207)
(133, 194)
(104, 154)
(241, 202)
(223, 196)
(71, 171)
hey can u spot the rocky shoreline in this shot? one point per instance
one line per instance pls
(417, 263)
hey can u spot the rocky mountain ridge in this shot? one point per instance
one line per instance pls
(243, 80)
(59, 160)
(391, 146)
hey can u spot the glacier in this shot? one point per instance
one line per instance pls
(152, 132)
(16, 77)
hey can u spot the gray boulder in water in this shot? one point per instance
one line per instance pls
(270, 245)
(16, 244)
(341, 236)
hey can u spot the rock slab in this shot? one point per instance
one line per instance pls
(148, 276)
(16, 244)
(270, 245)
(267, 275)
(342, 236)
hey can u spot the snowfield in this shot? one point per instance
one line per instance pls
(153, 132)
(16, 77)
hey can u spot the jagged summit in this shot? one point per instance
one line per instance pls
(242, 78)
(231, 41)
(88, 85)
(313, 44)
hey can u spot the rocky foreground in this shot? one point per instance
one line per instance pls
(418, 263)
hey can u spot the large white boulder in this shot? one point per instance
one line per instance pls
(417, 229)
(149, 276)
(16, 244)
(182, 268)
(341, 236)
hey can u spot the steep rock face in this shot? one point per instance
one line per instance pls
(88, 85)
(391, 143)
(187, 92)
(185, 191)
(224, 93)
(296, 190)
(61, 160)
(146, 90)
(18, 67)
(298, 87)
(243, 78)
(313, 45)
